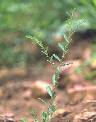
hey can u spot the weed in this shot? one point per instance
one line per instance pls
(64, 47)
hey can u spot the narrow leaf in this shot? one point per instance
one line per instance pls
(52, 109)
(51, 58)
(61, 46)
(49, 91)
(43, 101)
(23, 120)
(44, 117)
(35, 40)
(66, 38)
(29, 37)
(57, 74)
(56, 57)
(54, 80)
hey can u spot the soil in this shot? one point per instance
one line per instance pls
(84, 112)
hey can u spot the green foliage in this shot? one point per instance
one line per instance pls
(9, 57)
(44, 116)
(56, 57)
(34, 115)
(23, 120)
(47, 115)
(42, 18)
(54, 81)
(61, 46)
(55, 77)
(49, 90)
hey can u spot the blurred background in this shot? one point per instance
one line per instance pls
(19, 18)
(22, 60)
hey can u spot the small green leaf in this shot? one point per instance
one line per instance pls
(52, 109)
(56, 57)
(43, 101)
(35, 40)
(44, 116)
(46, 49)
(23, 120)
(54, 80)
(29, 37)
(53, 95)
(51, 58)
(94, 2)
(49, 91)
(57, 74)
(61, 46)
(34, 115)
(66, 38)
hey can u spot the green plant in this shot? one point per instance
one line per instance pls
(59, 67)
(23, 120)
(47, 115)
(64, 46)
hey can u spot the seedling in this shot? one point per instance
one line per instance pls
(64, 47)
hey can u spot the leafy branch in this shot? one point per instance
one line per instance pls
(64, 47)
